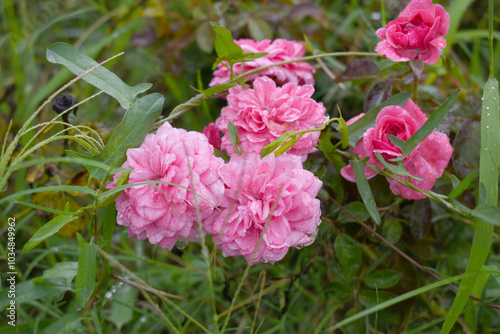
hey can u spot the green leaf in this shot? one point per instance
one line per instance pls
(107, 221)
(232, 132)
(344, 131)
(325, 145)
(85, 277)
(339, 292)
(358, 128)
(398, 169)
(391, 230)
(287, 145)
(102, 78)
(217, 89)
(370, 298)
(357, 209)
(224, 43)
(382, 279)
(364, 190)
(47, 230)
(121, 307)
(31, 290)
(462, 186)
(349, 255)
(430, 125)
(66, 270)
(269, 148)
(131, 131)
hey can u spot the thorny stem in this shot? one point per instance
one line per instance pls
(400, 252)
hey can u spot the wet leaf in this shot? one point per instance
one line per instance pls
(66, 270)
(121, 307)
(382, 279)
(47, 230)
(339, 292)
(364, 190)
(85, 277)
(348, 254)
(391, 230)
(357, 209)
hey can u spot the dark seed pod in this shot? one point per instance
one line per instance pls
(64, 102)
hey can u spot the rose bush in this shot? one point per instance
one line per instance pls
(418, 33)
(427, 161)
(264, 112)
(274, 191)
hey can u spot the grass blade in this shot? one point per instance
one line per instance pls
(488, 176)
(365, 191)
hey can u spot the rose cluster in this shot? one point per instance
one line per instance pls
(260, 207)
(254, 207)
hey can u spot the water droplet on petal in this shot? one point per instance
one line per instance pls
(181, 243)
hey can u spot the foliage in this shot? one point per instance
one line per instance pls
(380, 262)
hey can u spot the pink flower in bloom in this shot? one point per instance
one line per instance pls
(427, 161)
(165, 213)
(278, 50)
(213, 135)
(418, 33)
(253, 187)
(264, 113)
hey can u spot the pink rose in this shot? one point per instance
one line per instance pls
(165, 213)
(213, 135)
(427, 161)
(418, 33)
(278, 51)
(264, 113)
(253, 187)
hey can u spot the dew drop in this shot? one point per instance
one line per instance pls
(108, 295)
(142, 319)
(181, 243)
